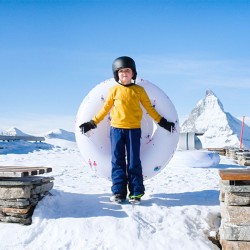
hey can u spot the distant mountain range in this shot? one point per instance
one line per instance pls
(53, 134)
(219, 128)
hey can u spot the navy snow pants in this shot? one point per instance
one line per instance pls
(126, 163)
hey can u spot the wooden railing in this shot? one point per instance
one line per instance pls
(18, 137)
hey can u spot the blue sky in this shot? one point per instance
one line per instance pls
(52, 53)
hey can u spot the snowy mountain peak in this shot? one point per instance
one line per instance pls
(220, 128)
(60, 134)
(210, 101)
(15, 132)
(210, 92)
(200, 116)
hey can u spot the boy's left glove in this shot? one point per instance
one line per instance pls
(85, 127)
(170, 126)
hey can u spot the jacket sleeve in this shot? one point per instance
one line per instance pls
(146, 103)
(108, 104)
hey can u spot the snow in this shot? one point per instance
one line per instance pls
(179, 210)
(196, 159)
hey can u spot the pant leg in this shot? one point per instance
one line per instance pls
(119, 172)
(134, 168)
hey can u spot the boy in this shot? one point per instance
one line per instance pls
(124, 101)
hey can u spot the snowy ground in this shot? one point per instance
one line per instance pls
(179, 210)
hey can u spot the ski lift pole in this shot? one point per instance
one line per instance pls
(242, 131)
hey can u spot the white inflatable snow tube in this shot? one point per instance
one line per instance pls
(157, 144)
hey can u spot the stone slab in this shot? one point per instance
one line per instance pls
(15, 192)
(17, 203)
(24, 216)
(235, 245)
(237, 199)
(226, 187)
(7, 210)
(10, 219)
(234, 232)
(244, 161)
(239, 215)
(9, 192)
(21, 171)
(21, 181)
(45, 187)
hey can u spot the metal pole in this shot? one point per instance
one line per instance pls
(187, 141)
(242, 131)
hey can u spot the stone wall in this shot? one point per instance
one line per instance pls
(235, 213)
(242, 157)
(20, 195)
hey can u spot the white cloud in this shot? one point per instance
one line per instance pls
(225, 73)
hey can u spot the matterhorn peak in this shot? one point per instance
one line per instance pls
(209, 92)
(219, 128)
(205, 109)
(210, 101)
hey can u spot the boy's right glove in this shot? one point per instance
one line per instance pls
(170, 126)
(85, 127)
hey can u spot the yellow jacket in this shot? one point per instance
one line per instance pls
(124, 103)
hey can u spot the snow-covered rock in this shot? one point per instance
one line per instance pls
(219, 128)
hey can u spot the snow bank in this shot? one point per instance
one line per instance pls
(196, 159)
(179, 210)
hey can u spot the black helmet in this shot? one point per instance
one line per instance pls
(123, 62)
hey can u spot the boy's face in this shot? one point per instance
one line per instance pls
(125, 75)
